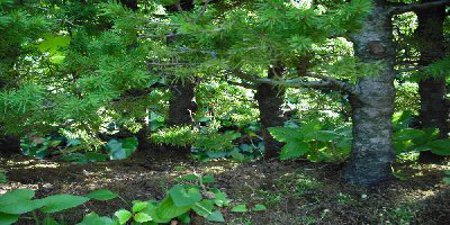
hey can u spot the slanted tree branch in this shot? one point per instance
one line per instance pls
(402, 8)
(321, 83)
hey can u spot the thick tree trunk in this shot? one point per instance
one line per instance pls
(373, 103)
(433, 107)
(182, 106)
(270, 99)
(9, 146)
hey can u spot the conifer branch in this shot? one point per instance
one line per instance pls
(323, 82)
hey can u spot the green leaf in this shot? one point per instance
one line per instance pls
(285, 134)
(184, 196)
(142, 217)
(237, 155)
(440, 147)
(123, 216)
(259, 208)
(216, 216)
(326, 135)
(293, 150)
(94, 219)
(53, 43)
(19, 202)
(139, 206)
(7, 219)
(204, 207)
(220, 198)
(185, 218)
(57, 203)
(207, 179)
(121, 149)
(167, 210)
(447, 180)
(239, 208)
(189, 177)
(102, 195)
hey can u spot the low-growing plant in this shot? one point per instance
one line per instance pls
(192, 196)
(315, 142)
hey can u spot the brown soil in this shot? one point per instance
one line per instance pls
(293, 192)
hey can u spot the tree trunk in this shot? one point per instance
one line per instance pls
(270, 99)
(182, 106)
(10, 145)
(373, 103)
(433, 107)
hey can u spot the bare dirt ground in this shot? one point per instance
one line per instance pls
(293, 192)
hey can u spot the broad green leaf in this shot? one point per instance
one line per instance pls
(259, 207)
(440, 147)
(53, 43)
(204, 207)
(167, 210)
(239, 208)
(326, 135)
(142, 217)
(184, 196)
(408, 134)
(123, 216)
(216, 216)
(102, 195)
(139, 206)
(115, 150)
(18, 202)
(57, 203)
(7, 219)
(220, 198)
(285, 134)
(94, 219)
(293, 150)
(121, 149)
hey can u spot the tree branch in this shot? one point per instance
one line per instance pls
(323, 82)
(398, 9)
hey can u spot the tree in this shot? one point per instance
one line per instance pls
(434, 106)
(19, 25)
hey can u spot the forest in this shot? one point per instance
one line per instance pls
(240, 112)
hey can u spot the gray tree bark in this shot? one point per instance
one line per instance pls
(373, 103)
(270, 99)
(433, 104)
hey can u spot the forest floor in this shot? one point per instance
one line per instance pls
(293, 192)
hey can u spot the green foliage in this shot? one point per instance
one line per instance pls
(205, 140)
(312, 141)
(39, 147)
(121, 149)
(407, 140)
(182, 199)
(15, 203)
(179, 202)
(57, 203)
